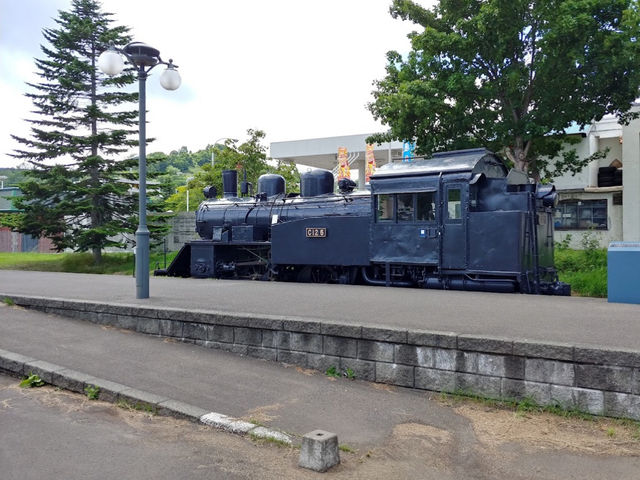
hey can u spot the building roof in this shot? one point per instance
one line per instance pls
(322, 152)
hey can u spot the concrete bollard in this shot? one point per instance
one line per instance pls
(319, 451)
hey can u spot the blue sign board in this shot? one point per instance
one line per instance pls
(407, 151)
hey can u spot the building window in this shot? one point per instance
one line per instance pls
(581, 215)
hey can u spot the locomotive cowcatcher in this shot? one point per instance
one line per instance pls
(458, 220)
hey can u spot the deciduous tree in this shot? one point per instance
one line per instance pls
(511, 75)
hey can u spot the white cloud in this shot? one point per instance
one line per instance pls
(292, 68)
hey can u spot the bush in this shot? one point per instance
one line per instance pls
(585, 270)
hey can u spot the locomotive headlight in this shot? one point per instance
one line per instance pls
(548, 195)
(550, 200)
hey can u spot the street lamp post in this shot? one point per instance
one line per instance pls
(213, 151)
(188, 180)
(144, 58)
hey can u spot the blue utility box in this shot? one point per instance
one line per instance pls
(623, 272)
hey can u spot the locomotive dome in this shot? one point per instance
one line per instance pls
(475, 161)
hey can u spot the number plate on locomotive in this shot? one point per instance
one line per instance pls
(315, 232)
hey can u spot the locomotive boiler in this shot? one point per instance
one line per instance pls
(459, 220)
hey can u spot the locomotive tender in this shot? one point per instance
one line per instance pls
(458, 220)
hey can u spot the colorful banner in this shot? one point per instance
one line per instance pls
(343, 164)
(371, 163)
(407, 151)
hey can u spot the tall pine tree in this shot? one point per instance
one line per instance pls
(75, 193)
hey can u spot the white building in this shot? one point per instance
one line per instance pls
(589, 203)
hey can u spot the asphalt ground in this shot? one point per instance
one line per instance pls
(573, 320)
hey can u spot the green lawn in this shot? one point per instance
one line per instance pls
(112, 263)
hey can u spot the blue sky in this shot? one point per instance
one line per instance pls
(292, 68)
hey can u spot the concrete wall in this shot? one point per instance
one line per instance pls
(631, 180)
(598, 381)
(183, 229)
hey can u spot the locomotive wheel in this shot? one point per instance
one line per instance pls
(315, 274)
(349, 276)
(320, 274)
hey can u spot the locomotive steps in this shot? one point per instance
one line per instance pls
(602, 379)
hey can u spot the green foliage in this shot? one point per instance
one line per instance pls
(92, 392)
(11, 220)
(564, 243)
(31, 381)
(272, 440)
(332, 371)
(249, 157)
(346, 448)
(81, 122)
(511, 76)
(350, 374)
(585, 270)
(139, 406)
(8, 301)
(14, 176)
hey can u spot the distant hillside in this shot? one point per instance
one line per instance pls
(14, 176)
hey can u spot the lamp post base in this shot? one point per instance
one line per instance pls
(142, 262)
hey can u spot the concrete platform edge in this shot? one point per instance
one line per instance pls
(591, 378)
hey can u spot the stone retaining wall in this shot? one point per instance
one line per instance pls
(582, 377)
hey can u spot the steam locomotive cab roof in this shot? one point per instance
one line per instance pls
(474, 161)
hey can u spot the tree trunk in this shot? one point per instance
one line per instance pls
(97, 255)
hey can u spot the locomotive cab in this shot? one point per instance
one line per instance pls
(456, 221)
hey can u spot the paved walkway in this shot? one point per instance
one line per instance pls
(549, 319)
(291, 399)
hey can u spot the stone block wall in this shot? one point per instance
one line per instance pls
(586, 378)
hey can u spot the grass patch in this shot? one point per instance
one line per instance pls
(332, 371)
(112, 263)
(32, 381)
(8, 301)
(274, 441)
(585, 270)
(346, 448)
(520, 407)
(92, 392)
(138, 406)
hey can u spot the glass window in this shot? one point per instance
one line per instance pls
(581, 215)
(404, 202)
(384, 208)
(454, 205)
(426, 206)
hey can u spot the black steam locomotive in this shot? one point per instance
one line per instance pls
(457, 220)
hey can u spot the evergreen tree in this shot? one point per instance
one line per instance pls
(75, 193)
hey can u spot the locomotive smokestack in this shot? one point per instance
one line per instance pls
(230, 183)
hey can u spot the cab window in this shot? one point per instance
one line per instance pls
(404, 203)
(384, 208)
(454, 204)
(426, 206)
